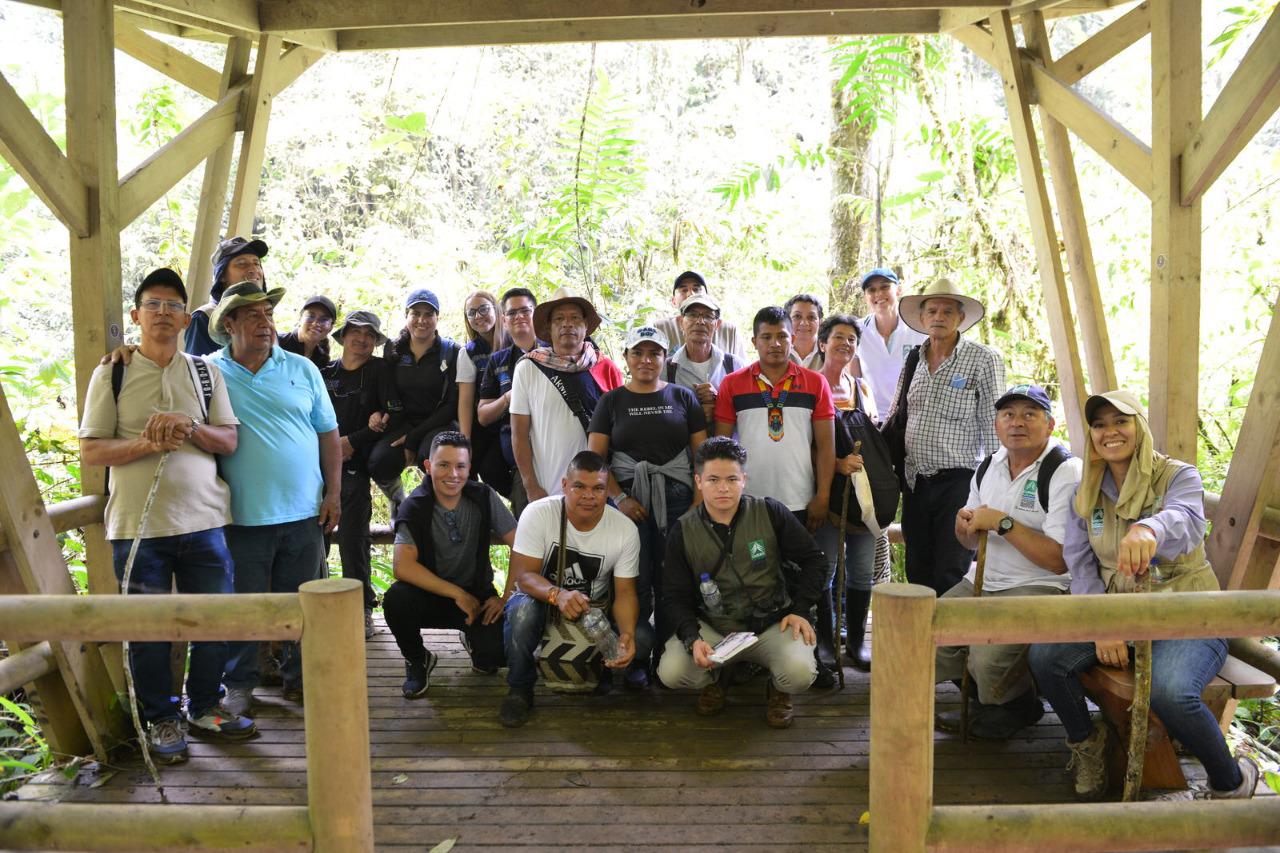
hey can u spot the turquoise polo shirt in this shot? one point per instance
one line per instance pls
(275, 474)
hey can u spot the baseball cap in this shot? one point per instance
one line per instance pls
(1034, 393)
(879, 272)
(419, 296)
(161, 277)
(324, 302)
(689, 275)
(1126, 401)
(700, 299)
(646, 333)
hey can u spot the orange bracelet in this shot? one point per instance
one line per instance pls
(553, 595)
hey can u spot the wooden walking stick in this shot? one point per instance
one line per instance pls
(964, 676)
(1138, 710)
(840, 549)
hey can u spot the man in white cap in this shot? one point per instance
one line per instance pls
(687, 284)
(949, 387)
(701, 365)
(554, 391)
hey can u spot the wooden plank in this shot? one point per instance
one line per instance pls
(1127, 154)
(1175, 229)
(1053, 282)
(213, 191)
(25, 666)
(1106, 43)
(953, 19)
(244, 201)
(977, 40)
(643, 29)
(239, 15)
(41, 163)
(160, 172)
(293, 63)
(166, 59)
(1241, 554)
(1250, 98)
(1247, 682)
(1075, 226)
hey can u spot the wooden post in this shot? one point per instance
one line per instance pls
(1075, 230)
(213, 193)
(1054, 287)
(244, 201)
(902, 719)
(1175, 229)
(339, 784)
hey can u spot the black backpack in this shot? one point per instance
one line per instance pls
(1055, 457)
(853, 425)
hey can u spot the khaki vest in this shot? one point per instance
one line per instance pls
(752, 587)
(1189, 572)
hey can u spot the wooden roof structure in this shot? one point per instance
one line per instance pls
(1190, 148)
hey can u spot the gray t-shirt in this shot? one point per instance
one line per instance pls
(456, 560)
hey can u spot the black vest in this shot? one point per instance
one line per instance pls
(417, 511)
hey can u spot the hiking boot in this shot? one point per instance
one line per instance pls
(369, 629)
(166, 742)
(1244, 791)
(711, 699)
(514, 710)
(856, 646)
(417, 674)
(238, 701)
(292, 693)
(217, 724)
(778, 710)
(1001, 722)
(637, 678)
(949, 721)
(1088, 764)
(825, 679)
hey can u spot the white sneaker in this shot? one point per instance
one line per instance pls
(1243, 791)
(1088, 764)
(238, 701)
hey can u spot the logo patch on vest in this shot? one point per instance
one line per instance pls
(1028, 500)
(755, 549)
(1095, 521)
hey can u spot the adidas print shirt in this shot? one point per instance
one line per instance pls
(594, 557)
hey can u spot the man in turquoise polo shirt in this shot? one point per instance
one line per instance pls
(285, 475)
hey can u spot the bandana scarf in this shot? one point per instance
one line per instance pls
(774, 409)
(566, 364)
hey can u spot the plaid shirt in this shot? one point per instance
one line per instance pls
(951, 421)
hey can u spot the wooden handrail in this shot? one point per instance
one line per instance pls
(160, 618)
(26, 666)
(77, 512)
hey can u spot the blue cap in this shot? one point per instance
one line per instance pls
(417, 297)
(1034, 393)
(879, 272)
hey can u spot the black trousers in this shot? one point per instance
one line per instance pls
(409, 609)
(354, 542)
(386, 462)
(488, 462)
(935, 557)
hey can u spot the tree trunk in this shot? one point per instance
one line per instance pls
(851, 199)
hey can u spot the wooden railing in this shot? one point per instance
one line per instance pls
(327, 616)
(911, 622)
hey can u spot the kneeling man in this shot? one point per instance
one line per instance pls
(1021, 496)
(741, 542)
(443, 575)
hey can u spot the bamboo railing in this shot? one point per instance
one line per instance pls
(326, 615)
(911, 622)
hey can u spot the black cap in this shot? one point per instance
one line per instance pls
(324, 302)
(160, 277)
(689, 274)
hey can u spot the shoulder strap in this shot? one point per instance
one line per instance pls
(561, 557)
(982, 469)
(728, 363)
(671, 370)
(1050, 463)
(202, 381)
(117, 379)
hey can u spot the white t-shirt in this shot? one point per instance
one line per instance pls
(882, 362)
(1019, 498)
(555, 434)
(466, 367)
(610, 549)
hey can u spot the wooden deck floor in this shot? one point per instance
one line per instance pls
(624, 772)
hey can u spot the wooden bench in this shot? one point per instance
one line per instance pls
(1111, 690)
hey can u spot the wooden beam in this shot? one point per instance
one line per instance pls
(41, 163)
(213, 192)
(1062, 332)
(1095, 51)
(1127, 154)
(23, 667)
(977, 40)
(166, 59)
(1075, 227)
(1249, 99)
(156, 175)
(1175, 229)
(244, 201)
(231, 15)
(293, 63)
(952, 19)
(1239, 550)
(644, 29)
(152, 618)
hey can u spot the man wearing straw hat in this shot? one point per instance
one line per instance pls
(950, 390)
(285, 475)
(554, 392)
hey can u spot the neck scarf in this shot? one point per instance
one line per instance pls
(1135, 493)
(546, 356)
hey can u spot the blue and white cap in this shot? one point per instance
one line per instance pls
(1034, 393)
(647, 333)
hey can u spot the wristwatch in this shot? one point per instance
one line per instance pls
(688, 644)
(195, 424)
(1005, 525)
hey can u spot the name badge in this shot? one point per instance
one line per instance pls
(1095, 521)
(959, 382)
(1029, 497)
(755, 550)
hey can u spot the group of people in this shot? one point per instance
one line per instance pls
(694, 496)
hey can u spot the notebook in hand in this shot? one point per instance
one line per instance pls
(731, 646)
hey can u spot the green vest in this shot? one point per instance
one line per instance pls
(1188, 572)
(753, 590)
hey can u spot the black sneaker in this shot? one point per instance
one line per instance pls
(514, 710)
(417, 675)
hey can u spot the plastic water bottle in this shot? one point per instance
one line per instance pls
(596, 624)
(710, 595)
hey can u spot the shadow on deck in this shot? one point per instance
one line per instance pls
(624, 772)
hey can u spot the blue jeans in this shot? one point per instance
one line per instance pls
(272, 558)
(199, 563)
(653, 552)
(1180, 669)
(525, 617)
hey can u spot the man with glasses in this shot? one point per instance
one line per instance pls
(443, 575)
(167, 404)
(688, 284)
(311, 338)
(360, 384)
(700, 364)
(494, 392)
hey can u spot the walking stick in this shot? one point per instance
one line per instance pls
(840, 549)
(964, 677)
(1138, 710)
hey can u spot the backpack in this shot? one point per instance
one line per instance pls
(852, 426)
(894, 430)
(726, 364)
(1055, 457)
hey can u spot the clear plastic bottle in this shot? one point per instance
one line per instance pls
(597, 627)
(710, 595)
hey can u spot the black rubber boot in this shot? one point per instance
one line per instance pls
(856, 645)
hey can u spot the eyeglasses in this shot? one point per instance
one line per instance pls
(451, 521)
(155, 305)
(483, 311)
(699, 317)
(322, 320)
(519, 312)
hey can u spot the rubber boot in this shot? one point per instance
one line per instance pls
(856, 644)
